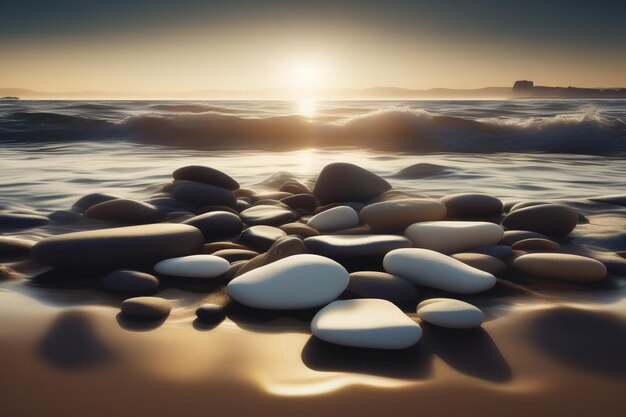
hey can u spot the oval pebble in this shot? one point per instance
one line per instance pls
(554, 220)
(210, 313)
(355, 245)
(536, 245)
(146, 307)
(131, 282)
(561, 266)
(336, 218)
(450, 313)
(472, 205)
(396, 215)
(193, 266)
(453, 236)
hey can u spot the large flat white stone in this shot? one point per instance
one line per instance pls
(436, 270)
(295, 282)
(453, 236)
(193, 266)
(367, 322)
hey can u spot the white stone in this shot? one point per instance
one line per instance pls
(295, 282)
(367, 322)
(336, 218)
(453, 236)
(436, 270)
(451, 313)
(193, 266)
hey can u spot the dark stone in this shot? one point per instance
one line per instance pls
(206, 175)
(299, 229)
(282, 248)
(553, 220)
(304, 203)
(217, 225)
(497, 251)
(89, 200)
(472, 205)
(146, 307)
(340, 181)
(213, 247)
(129, 282)
(295, 187)
(535, 244)
(118, 247)
(65, 217)
(125, 211)
(335, 246)
(422, 170)
(268, 215)
(374, 284)
(10, 222)
(210, 313)
(203, 195)
(241, 205)
(234, 255)
(512, 236)
(261, 237)
(209, 209)
(14, 248)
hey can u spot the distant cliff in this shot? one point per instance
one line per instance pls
(527, 89)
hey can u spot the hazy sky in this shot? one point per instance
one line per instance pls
(175, 46)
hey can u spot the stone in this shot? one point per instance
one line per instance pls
(193, 266)
(497, 251)
(89, 200)
(129, 282)
(14, 247)
(553, 220)
(244, 192)
(355, 245)
(512, 236)
(535, 244)
(436, 270)
(486, 263)
(299, 229)
(203, 195)
(422, 170)
(267, 215)
(118, 247)
(65, 217)
(453, 236)
(365, 323)
(450, 313)
(146, 307)
(217, 225)
(336, 218)
(261, 238)
(210, 209)
(295, 187)
(125, 211)
(270, 195)
(341, 181)
(210, 313)
(396, 215)
(10, 222)
(303, 203)
(472, 205)
(356, 206)
(233, 255)
(206, 175)
(213, 247)
(241, 205)
(561, 266)
(282, 248)
(296, 282)
(374, 284)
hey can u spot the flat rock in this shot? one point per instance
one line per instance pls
(118, 247)
(396, 215)
(203, 195)
(374, 284)
(129, 282)
(146, 307)
(193, 266)
(472, 205)
(303, 203)
(213, 247)
(365, 323)
(89, 200)
(217, 225)
(436, 270)
(295, 282)
(336, 218)
(450, 313)
(299, 229)
(268, 215)
(206, 175)
(340, 181)
(486, 263)
(10, 222)
(561, 266)
(453, 236)
(210, 313)
(355, 245)
(14, 247)
(233, 255)
(553, 220)
(282, 248)
(261, 238)
(512, 236)
(535, 244)
(125, 211)
(295, 187)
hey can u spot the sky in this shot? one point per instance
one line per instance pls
(162, 47)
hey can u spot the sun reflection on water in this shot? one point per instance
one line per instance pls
(306, 107)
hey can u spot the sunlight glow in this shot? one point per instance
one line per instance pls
(307, 76)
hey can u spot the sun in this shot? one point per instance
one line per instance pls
(307, 76)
